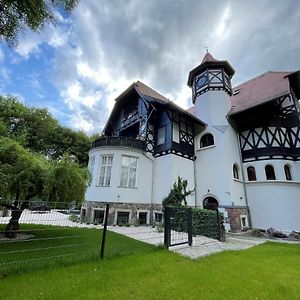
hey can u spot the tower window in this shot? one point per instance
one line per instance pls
(287, 172)
(270, 173)
(235, 170)
(207, 140)
(251, 174)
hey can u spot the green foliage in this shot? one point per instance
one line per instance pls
(23, 174)
(36, 129)
(68, 181)
(16, 15)
(74, 218)
(204, 222)
(178, 193)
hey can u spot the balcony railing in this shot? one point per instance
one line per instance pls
(119, 141)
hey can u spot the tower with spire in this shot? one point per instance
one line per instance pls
(216, 147)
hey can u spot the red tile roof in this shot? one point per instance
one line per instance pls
(256, 91)
(259, 90)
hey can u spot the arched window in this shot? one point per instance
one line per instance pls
(251, 174)
(270, 173)
(210, 203)
(287, 172)
(235, 170)
(207, 140)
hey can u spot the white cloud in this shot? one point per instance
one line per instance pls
(108, 44)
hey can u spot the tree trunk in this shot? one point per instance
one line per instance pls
(13, 226)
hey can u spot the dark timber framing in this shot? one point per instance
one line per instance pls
(135, 122)
(274, 133)
(213, 80)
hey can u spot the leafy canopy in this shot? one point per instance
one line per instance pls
(37, 130)
(178, 193)
(25, 175)
(18, 15)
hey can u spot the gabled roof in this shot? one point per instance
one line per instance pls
(151, 95)
(209, 62)
(259, 90)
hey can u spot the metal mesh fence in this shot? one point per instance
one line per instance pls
(52, 234)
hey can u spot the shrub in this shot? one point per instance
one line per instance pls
(204, 222)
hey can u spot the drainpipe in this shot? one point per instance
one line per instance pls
(195, 179)
(152, 187)
(243, 174)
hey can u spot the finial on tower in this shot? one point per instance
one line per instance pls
(206, 48)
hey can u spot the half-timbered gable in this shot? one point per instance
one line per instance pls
(267, 120)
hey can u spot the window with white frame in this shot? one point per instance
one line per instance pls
(91, 165)
(105, 170)
(128, 171)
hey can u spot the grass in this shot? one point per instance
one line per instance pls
(268, 271)
(51, 246)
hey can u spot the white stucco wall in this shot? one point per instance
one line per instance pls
(274, 204)
(212, 107)
(278, 165)
(167, 169)
(214, 164)
(142, 193)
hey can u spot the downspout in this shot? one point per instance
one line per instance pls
(152, 186)
(242, 167)
(243, 174)
(195, 179)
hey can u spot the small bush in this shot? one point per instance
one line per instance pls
(256, 232)
(74, 218)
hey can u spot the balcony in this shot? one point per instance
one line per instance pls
(119, 141)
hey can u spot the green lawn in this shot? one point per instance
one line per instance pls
(268, 271)
(52, 246)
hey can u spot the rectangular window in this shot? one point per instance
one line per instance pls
(91, 165)
(128, 171)
(98, 216)
(122, 218)
(158, 217)
(161, 135)
(105, 170)
(176, 132)
(143, 218)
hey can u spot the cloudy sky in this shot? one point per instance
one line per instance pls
(77, 68)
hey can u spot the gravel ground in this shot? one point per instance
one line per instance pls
(47, 218)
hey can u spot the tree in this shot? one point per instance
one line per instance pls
(68, 181)
(16, 15)
(36, 129)
(178, 193)
(23, 175)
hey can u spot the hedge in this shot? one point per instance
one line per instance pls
(204, 222)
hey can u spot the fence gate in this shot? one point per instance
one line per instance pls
(178, 226)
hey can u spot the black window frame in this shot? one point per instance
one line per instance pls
(207, 140)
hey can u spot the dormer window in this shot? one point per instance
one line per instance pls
(207, 140)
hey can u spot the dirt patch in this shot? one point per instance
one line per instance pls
(20, 236)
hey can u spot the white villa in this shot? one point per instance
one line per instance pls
(239, 148)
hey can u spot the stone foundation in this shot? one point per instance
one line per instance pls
(237, 218)
(134, 209)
